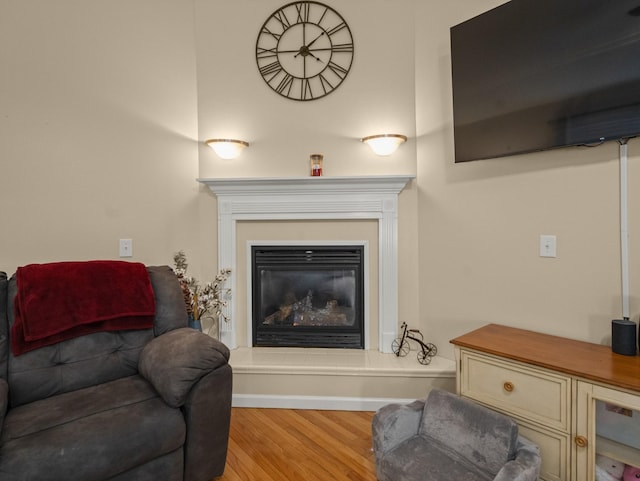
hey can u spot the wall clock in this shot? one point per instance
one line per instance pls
(304, 50)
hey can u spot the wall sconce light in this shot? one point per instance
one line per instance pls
(227, 148)
(384, 144)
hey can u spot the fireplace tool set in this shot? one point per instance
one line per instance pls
(401, 347)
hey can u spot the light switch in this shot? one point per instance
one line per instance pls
(126, 247)
(548, 246)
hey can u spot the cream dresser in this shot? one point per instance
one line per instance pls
(551, 386)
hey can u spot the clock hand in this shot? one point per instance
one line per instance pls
(314, 40)
(309, 53)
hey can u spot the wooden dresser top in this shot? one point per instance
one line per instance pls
(594, 362)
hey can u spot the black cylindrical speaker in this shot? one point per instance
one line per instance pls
(623, 337)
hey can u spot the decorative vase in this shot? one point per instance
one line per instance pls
(214, 330)
(195, 324)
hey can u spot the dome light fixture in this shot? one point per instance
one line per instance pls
(227, 148)
(384, 144)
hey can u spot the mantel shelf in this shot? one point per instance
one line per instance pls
(390, 184)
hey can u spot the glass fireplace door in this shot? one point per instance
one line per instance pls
(308, 296)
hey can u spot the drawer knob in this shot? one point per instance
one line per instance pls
(508, 386)
(581, 441)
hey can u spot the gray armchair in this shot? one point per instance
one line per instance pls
(449, 438)
(131, 405)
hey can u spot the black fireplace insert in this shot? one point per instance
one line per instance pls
(308, 296)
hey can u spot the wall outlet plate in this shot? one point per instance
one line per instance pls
(126, 247)
(548, 246)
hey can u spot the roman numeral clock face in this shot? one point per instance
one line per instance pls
(304, 50)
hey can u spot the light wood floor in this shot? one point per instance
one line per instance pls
(299, 445)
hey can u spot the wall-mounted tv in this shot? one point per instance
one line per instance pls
(533, 75)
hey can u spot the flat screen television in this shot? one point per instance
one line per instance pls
(532, 75)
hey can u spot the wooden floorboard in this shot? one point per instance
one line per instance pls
(299, 445)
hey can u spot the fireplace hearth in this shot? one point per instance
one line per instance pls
(308, 296)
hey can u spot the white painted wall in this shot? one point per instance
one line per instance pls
(98, 130)
(103, 106)
(376, 97)
(480, 222)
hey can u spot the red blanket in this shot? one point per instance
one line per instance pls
(62, 300)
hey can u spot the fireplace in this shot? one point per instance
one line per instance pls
(312, 198)
(308, 296)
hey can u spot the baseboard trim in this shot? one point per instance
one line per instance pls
(329, 403)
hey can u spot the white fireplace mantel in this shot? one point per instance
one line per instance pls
(311, 198)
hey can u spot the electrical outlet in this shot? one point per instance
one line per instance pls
(126, 247)
(548, 246)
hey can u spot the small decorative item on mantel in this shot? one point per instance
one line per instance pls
(204, 303)
(316, 164)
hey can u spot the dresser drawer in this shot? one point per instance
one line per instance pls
(522, 391)
(554, 451)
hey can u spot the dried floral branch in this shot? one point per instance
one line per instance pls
(202, 301)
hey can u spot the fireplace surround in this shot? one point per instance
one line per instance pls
(314, 198)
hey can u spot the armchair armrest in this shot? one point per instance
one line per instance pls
(526, 465)
(174, 362)
(394, 423)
